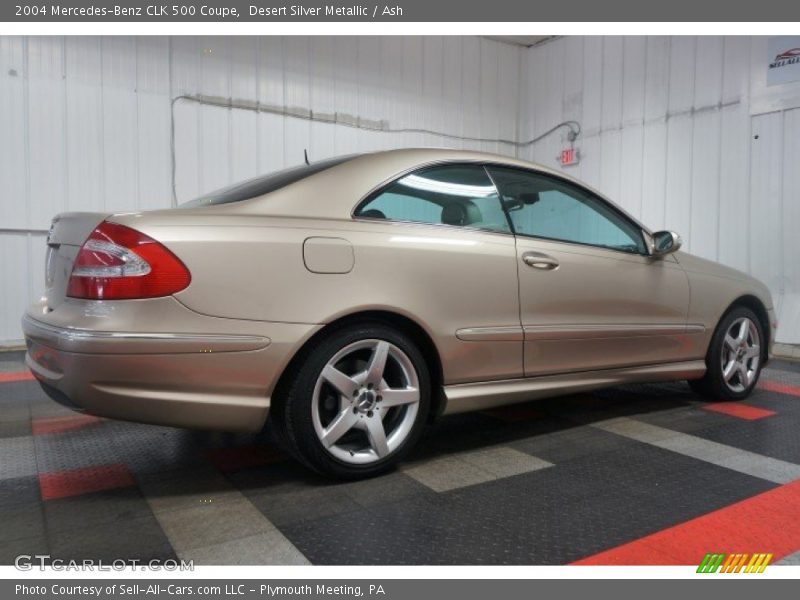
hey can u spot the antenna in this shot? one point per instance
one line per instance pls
(305, 155)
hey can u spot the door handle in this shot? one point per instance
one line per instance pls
(540, 260)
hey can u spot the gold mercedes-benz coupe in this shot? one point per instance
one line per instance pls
(347, 302)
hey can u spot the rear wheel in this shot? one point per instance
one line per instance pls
(358, 402)
(734, 358)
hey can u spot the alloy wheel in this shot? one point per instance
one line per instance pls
(365, 401)
(741, 354)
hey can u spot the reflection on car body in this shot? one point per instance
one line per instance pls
(348, 301)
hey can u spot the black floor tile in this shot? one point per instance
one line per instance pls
(87, 511)
(302, 506)
(552, 516)
(785, 405)
(27, 548)
(19, 428)
(75, 449)
(603, 490)
(461, 433)
(140, 539)
(146, 449)
(21, 521)
(19, 491)
(570, 444)
(21, 390)
(688, 420)
(775, 437)
(792, 366)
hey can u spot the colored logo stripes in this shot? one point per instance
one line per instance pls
(734, 563)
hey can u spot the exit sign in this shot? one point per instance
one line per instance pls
(569, 156)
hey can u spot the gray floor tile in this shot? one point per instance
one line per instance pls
(504, 462)
(269, 548)
(447, 473)
(18, 457)
(212, 524)
(473, 467)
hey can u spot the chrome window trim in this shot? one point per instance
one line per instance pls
(434, 163)
(585, 245)
(646, 232)
(464, 228)
(401, 174)
(643, 231)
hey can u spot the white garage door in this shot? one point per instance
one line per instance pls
(774, 216)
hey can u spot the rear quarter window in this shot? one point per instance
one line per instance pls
(265, 184)
(460, 195)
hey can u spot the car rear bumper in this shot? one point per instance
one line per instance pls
(197, 380)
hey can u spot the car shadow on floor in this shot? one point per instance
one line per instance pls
(255, 463)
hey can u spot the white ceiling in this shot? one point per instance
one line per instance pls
(520, 40)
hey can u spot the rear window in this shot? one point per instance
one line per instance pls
(264, 184)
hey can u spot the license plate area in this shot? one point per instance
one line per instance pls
(58, 268)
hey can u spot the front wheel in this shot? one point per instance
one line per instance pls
(735, 357)
(358, 402)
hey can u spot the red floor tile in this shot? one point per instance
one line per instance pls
(741, 411)
(780, 388)
(765, 523)
(62, 424)
(63, 484)
(243, 457)
(16, 376)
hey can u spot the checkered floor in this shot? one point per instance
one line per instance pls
(643, 474)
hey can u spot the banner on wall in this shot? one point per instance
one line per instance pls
(783, 60)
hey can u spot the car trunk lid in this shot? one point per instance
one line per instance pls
(67, 233)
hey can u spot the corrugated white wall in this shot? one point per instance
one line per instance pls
(85, 122)
(458, 85)
(669, 131)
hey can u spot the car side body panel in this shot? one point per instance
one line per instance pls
(269, 273)
(603, 309)
(158, 362)
(445, 279)
(715, 287)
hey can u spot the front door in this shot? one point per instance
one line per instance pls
(591, 296)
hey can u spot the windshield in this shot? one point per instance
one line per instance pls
(264, 184)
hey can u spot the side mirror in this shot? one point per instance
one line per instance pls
(665, 242)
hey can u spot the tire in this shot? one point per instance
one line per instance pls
(735, 357)
(356, 382)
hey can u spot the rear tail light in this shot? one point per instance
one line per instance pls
(118, 263)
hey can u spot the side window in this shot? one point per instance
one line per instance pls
(546, 207)
(460, 195)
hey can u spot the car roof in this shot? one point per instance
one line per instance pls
(333, 193)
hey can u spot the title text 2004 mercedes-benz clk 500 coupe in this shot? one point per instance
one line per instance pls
(351, 300)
